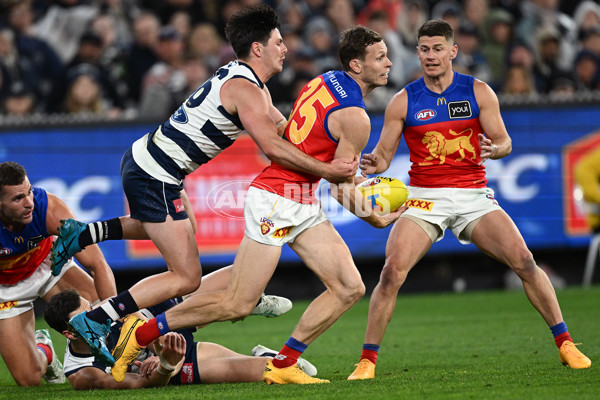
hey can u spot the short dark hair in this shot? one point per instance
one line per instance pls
(11, 174)
(60, 306)
(354, 42)
(249, 25)
(436, 27)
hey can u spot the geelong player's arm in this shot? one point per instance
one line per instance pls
(351, 127)
(90, 258)
(254, 109)
(496, 142)
(395, 114)
(171, 350)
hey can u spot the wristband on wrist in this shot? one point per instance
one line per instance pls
(163, 371)
(165, 368)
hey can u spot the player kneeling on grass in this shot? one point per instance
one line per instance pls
(173, 359)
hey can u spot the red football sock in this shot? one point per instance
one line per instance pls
(286, 357)
(370, 355)
(560, 339)
(47, 350)
(146, 333)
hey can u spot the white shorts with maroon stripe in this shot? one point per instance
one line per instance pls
(275, 220)
(18, 298)
(452, 208)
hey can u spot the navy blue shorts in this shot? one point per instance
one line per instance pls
(189, 370)
(150, 200)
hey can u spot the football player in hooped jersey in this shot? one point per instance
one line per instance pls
(452, 125)
(212, 118)
(329, 121)
(29, 216)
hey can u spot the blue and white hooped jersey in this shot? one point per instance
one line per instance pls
(196, 133)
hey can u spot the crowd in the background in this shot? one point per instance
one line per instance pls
(142, 58)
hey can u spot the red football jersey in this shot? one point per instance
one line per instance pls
(307, 130)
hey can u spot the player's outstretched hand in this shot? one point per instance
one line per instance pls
(368, 164)
(488, 149)
(341, 169)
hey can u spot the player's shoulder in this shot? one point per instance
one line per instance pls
(398, 103)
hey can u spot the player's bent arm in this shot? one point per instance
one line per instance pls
(276, 115)
(393, 125)
(351, 126)
(89, 378)
(90, 258)
(491, 121)
(252, 106)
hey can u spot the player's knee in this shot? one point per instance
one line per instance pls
(354, 292)
(392, 276)
(31, 378)
(523, 263)
(349, 292)
(187, 284)
(233, 310)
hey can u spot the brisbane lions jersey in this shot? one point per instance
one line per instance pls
(307, 129)
(22, 252)
(441, 132)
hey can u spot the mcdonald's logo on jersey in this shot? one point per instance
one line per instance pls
(441, 100)
(19, 240)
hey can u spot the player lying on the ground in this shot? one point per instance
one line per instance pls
(179, 359)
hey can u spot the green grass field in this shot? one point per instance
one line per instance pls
(474, 345)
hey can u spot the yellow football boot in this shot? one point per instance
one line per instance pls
(365, 369)
(571, 356)
(127, 349)
(291, 374)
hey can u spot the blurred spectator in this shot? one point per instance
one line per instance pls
(90, 52)
(114, 43)
(590, 40)
(475, 12)
(320, 37)
(497, 39)
(196, 73)
(165, 81)
(84, 93)
(142, 53)
(341, 14)
(415, 14)
(562, 87)
(403, 59)
(521, 54)
(586, 16)
(182, 22)
(19, 100)
(198, 10)
(63, 24)
(204, 41)
(32, 60)
(547, 59)
(519, 81)
(587, 71)
(393, 9)
(315, 7)
(292, 15)
(449, 11)
(542, 15)
(469, 59)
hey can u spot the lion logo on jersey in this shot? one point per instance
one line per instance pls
(439, 147)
